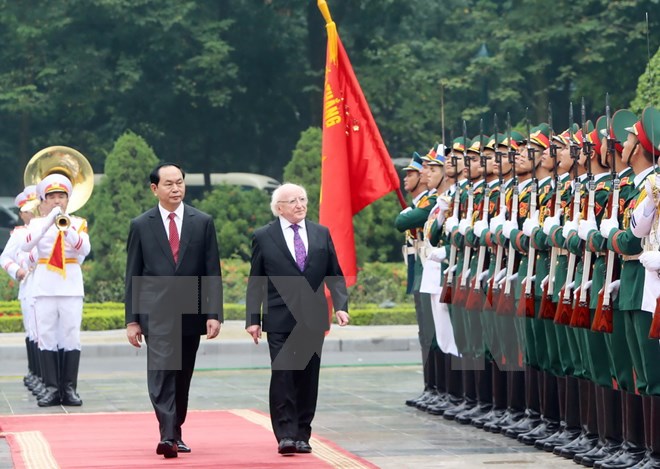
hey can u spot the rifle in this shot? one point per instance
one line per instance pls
(505, 305)
(565, 305)
(475, 301)
(461, 297)
(580, 316)
(548, 307)
(603, 319)
(494, 286)
(528, 304)
(447, 288)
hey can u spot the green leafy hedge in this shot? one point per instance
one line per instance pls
(107, 316)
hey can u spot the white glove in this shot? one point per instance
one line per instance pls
(607, 225)
(585, 227)
(405, 210)
(454, 267)
(570, 286)
(524, 281)
(72, 236)
(500, 275)
(442, 204)
(587, 285)
(479, 227)
(650, 260)
(496, 222)
(483, 275)
(613, 288)
(438, 255)
(450, 224)
(508, 227)
(512, 278)
(550, 224)
(463, 226)
(568, 227)
(531, 224)
(50, 218)
(544, 282)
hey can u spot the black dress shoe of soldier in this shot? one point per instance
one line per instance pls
(559, 438)
(602, 451)
(467, 404)
(481, 409)
(581, 445)
(546, 429)
(530, 422)
(509, 418)
(629, 455)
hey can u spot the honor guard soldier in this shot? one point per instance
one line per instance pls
(62, 244)
(411, 221)
(17, 264)
(640, 150)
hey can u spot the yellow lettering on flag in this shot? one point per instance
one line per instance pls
(331, 115)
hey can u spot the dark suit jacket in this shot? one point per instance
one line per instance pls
(276, 286)
(163, 296)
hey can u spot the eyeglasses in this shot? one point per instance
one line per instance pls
(293, 202)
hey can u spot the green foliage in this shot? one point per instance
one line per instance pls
(304, 168)
(121, 196)
(648, 87)
(236, 213)
(112, 318)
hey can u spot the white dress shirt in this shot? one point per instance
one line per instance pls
(178, 218)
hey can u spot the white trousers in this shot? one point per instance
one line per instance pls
(58, 322)
(29, 319)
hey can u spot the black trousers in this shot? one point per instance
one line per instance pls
(294, 381)
(169, 372)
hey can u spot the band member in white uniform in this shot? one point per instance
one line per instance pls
(62, 243)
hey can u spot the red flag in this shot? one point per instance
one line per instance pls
(356, 168)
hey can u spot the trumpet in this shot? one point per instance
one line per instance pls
(62, 222)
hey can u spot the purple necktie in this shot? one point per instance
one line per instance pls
(299, 248)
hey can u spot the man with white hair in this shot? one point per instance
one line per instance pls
(292, 259)
(58, 289)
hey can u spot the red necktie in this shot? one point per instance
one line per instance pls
(174, 237)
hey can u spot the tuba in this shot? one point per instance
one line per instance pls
(67, 162)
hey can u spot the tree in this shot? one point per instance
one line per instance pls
(121, 196)
(304, 168)
(236, 212)
(648, 90)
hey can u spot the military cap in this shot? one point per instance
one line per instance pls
(595, 136)
(516, 139)
(54, 183)
(476, 143)
(647, 130)
(540, 135)
(434, 158)
(622, 119)
(415, 163)
(460, 145)
(501, 137)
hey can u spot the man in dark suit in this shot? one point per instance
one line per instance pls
(292, 260)
(173, 295)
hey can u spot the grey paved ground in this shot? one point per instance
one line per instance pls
(367, 375)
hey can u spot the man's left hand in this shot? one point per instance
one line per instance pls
(212, 328)
(342, 317)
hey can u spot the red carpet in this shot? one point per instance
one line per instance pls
(219, 439)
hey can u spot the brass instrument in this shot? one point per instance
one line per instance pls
(70, 163)
(62, 222)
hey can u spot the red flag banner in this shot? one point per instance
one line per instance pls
(356, 167)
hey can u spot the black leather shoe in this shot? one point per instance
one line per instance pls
(183, 448)
(303, 447)
(286, 446)
(167, 448)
